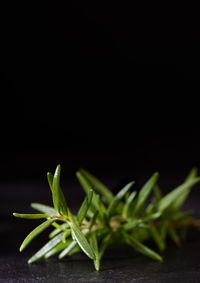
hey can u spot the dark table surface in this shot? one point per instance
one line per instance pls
(119, 264)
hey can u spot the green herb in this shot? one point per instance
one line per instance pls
(103, 219)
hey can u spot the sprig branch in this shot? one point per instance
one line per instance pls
(104, 219)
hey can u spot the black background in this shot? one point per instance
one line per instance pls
(109, 87)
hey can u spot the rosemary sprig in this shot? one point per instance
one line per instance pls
(104, 219)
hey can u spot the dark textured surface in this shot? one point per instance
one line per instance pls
(180, 265)
(118, 265)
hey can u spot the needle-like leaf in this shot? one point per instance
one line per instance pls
(44, 208)
(116, 200)
(84, 183)
(56, 189)
(50, 180)
(178, 203)
(69, 246)
(104, 244)
(93, 219)
(157, 238)
(66, 234)
(35, 233)
(128, 203)
(180, 216)
(171, 197)
(174, 236)
(135, 223)
(82, 241)
(163, 228)
(67, 250)
(192, 174)
(157, 194)
(58, 197)
(98, 186)
(59, 247)
(96, 203)
(75, 250)
(152, 217)
(145, 192)
(94, 245)
(84, 207)
(47, 247)
(58, 230)
(138, 246)
(31, 216)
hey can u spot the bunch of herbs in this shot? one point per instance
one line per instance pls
(103, 219)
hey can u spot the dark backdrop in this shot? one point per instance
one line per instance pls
(108, 87)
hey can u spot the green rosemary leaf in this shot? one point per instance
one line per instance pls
(50, 180)
(171, 197)
(56, 189)
(131, 224)
(66, 234)
(145, 192)
(150, 208)
(128, 203)
(58, 197)
(174, 236)
(93, 219)
(84, 183)
(104, 244)
(152, 217)
(141, 234)
(100, 207)
(56, 225)
(94, 245)
(182, 198)
(157, 193)
(67, 247)
(143, 225)
(44, 208)
(58, 230)
(64, 208)
(59, 247)
(180, 216)
(31, 216)
(163, 229)
(192, 174)
(98, 186)
(48, 246)
(157, 238)
(116, 200)
(90, 212)
(35, 233)
(95, 199)
(138, 246)
(84, 207)
(82, 241)
(66, 251)
(135, 223)
(75, 250)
